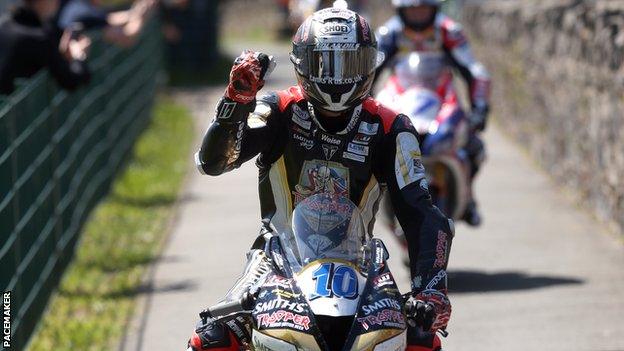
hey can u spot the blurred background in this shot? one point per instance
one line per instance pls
(109, 239)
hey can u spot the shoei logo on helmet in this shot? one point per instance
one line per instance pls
(335, 29)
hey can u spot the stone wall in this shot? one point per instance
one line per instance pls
(559, 89)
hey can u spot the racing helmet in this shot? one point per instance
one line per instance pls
(402, 6)
(335, 57)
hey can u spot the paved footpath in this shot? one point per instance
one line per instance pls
(538, 275)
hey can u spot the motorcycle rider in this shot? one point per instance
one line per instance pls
(420, 26)
(328, 135)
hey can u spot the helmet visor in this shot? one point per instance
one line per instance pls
(344, 64)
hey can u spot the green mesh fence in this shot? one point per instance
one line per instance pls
(59, 152)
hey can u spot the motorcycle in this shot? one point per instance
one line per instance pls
(422, 88)
(322, 284)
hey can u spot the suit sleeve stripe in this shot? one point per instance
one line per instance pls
(408, 167)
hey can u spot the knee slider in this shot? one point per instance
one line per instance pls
(476, 149)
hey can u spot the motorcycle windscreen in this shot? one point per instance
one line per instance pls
(324, 226)
(324, 249)
(424, 70)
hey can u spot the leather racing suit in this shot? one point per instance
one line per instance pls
(378, 149)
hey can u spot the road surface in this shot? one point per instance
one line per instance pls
(540, 274)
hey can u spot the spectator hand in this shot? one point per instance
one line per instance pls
(74, 48)
(79, 48)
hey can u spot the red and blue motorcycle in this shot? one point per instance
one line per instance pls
(421, 87)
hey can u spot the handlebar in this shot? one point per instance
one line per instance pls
(244, 304)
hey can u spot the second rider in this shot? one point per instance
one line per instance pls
(420, 26)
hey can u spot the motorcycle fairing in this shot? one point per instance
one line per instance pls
(284, 340)
(450, 122)
(282, 311)
(384, 340)
(422, 107)
(380, 314)
(331, 305)
(276, 252)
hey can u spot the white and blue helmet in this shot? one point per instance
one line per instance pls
(402, 6)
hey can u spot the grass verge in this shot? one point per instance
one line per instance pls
(123, 235)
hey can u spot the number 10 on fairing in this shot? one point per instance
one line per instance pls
(338, 281)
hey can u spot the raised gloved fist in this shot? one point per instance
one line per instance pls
(429, 309)
(247, 76)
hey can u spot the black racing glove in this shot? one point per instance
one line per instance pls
(420, 313)
(209, 335)
(429, 309)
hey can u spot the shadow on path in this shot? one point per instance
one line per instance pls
(157, 200)
(476, 281)
(147, 289)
